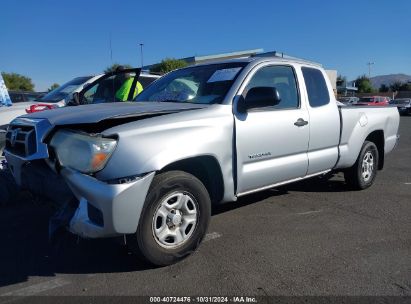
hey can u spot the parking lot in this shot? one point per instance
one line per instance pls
(311, 238)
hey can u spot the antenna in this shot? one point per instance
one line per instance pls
(111, 59)
(369, 68)
(141, 53)
(111, 49)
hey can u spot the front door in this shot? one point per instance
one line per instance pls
(271, 142)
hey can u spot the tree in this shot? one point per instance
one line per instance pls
(395, 86)
(383, 88)
(17, 82)
(53, 86)
(405, 87)
(363, 84)
(114, 67)
(168, 64)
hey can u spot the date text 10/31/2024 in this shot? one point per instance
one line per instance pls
(199, 299)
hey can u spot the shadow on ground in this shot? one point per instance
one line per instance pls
(326, 183)
(26, 250)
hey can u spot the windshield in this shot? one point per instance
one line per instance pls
(63, 91)
(199, 84)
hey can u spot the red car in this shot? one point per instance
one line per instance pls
(374, 101)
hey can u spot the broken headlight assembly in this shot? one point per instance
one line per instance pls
(87, 153)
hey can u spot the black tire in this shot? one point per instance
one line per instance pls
(354, 176)
(144, 242)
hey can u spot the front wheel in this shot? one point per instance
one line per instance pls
(362, 174)
(174, 219)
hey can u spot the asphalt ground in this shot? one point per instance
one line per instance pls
(312, 238)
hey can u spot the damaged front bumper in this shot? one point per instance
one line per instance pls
(104, 209)
(89, 207)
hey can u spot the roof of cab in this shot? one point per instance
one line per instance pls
(258, 59)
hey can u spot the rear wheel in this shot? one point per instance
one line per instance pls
(174, 219)
(362, 174)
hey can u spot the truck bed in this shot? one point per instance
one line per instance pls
(358, 122)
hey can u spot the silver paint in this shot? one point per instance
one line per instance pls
(160, 134)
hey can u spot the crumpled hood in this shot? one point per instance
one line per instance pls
(98, 112)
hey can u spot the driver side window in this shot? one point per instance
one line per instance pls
(280, 77)
(102, 91)
(114, 88)
(88, 95)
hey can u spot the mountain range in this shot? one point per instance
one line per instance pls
(377, 81)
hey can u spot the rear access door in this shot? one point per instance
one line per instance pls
(325, 122)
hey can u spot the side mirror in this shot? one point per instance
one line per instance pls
(260, 97)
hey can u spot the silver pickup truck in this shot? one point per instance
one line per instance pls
(201, 135)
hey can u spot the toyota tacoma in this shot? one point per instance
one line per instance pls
(206, 134)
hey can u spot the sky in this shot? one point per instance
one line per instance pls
(54, 41)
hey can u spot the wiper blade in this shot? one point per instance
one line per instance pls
(171, 100)
(178, 101)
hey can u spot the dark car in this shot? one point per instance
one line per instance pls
(403, 105)
(21, 96)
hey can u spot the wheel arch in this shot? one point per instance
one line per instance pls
(377, 137)
(207, 169)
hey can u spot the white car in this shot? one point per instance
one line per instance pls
(59, 97)
(56, 98)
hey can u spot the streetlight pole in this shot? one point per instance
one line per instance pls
(141, 54)
(369, 68)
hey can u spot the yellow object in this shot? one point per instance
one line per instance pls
(123, 91)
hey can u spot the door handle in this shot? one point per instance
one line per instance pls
(300, 122)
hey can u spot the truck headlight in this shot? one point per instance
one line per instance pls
(81, 151)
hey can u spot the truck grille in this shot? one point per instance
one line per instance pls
(21, 140)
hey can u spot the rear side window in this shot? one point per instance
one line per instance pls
(316, 87)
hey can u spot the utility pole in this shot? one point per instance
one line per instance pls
(141, 54)
(369, 68)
